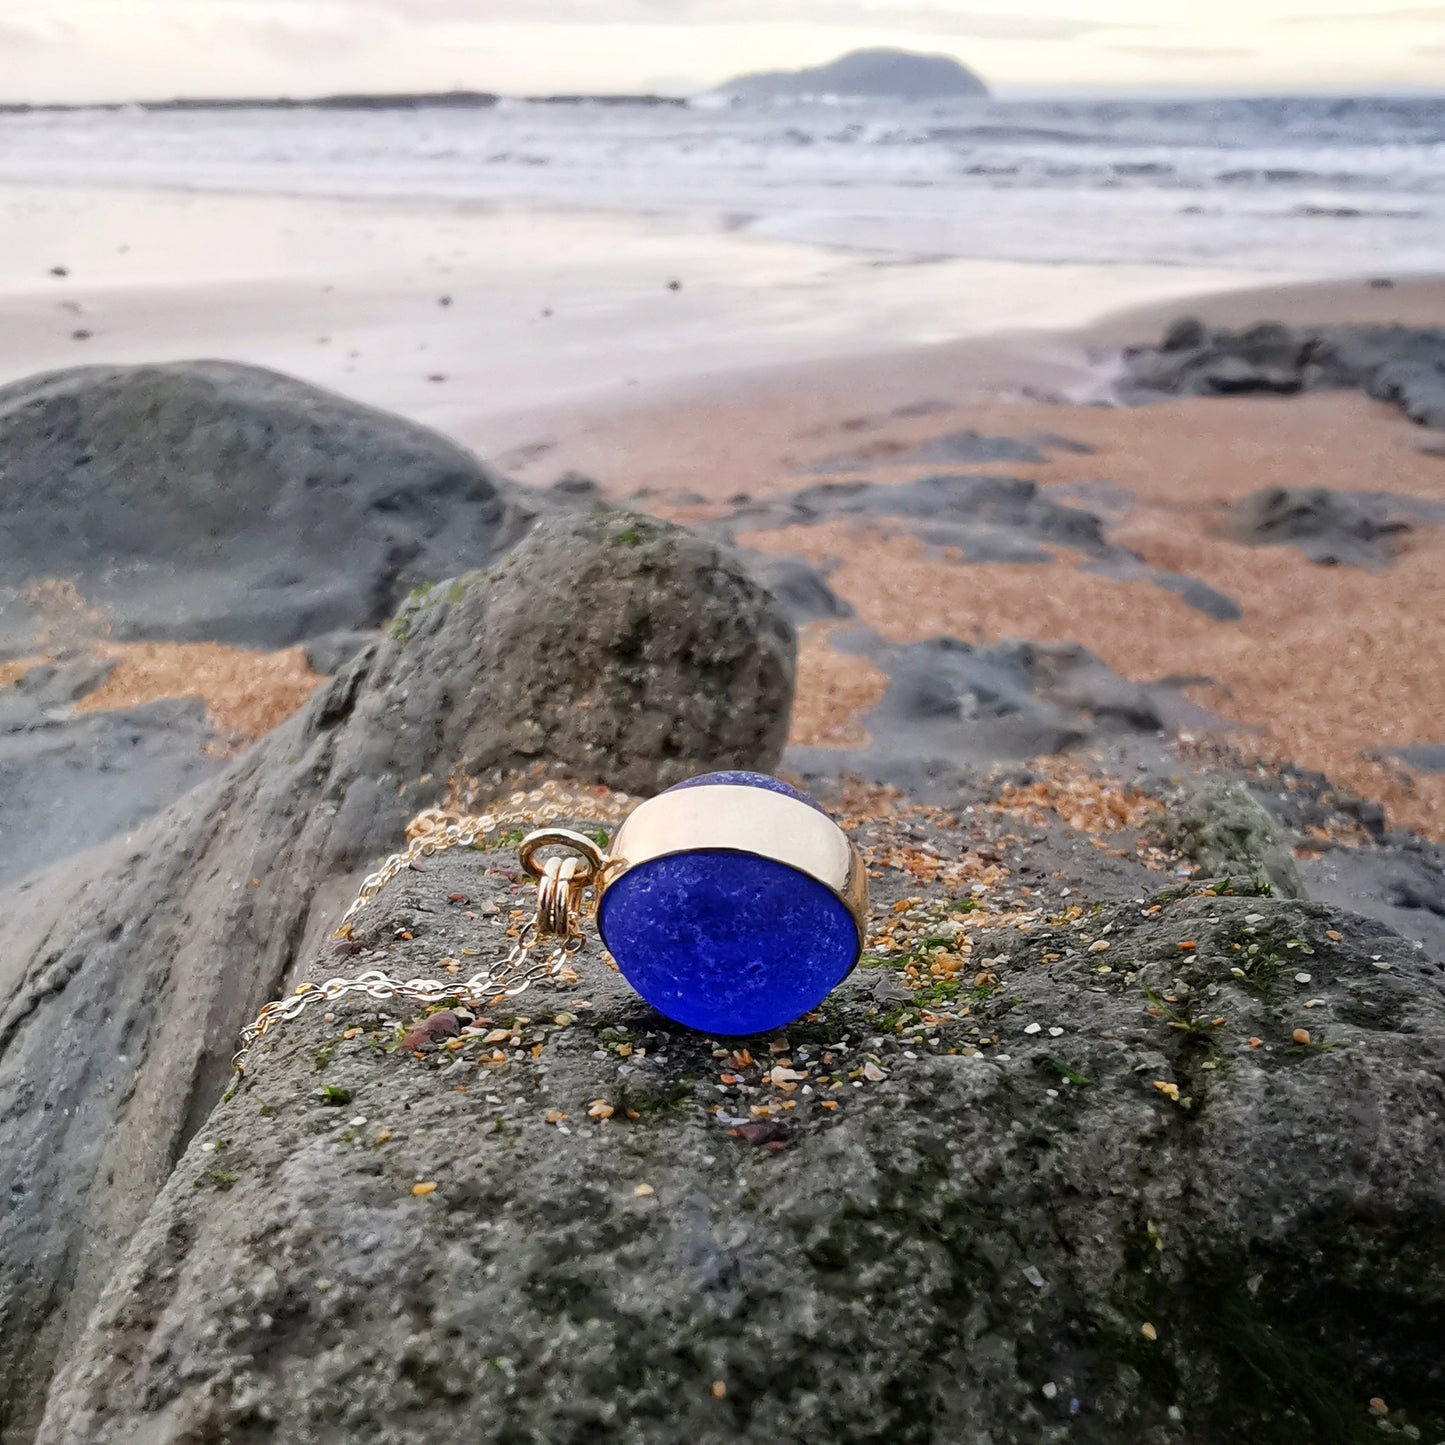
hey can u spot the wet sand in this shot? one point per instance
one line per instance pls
(457, 314)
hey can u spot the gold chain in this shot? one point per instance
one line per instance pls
(562, 885)
(435, 830)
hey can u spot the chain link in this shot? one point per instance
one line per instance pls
(558, 916)
(435, 830)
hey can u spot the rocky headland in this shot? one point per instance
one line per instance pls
(1127, 1126)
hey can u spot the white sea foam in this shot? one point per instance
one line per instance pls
(1312, 186)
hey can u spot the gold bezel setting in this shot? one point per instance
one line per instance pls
(728, 817)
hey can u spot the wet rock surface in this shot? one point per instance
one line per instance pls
(955, 703)
(1125, 1162)
(1400, 364)
(212, 501)
(1220, 827)
(953, 449)
(987, 518)
(1361, 529)
(617, 648)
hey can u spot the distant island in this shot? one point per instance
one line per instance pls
(890, 74)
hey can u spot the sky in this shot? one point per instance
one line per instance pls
(81, 50)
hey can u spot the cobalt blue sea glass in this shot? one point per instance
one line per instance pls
(728, 942)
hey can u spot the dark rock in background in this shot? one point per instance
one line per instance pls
(963, 448)
(211, 501)
(330, 652)
(613, 648)
(67, 783)
(953, 709)
(1400, 364)
(800, 588)
(1330, 527)
(1218, 824)
(988, 519)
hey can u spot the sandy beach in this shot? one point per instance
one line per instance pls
(461, 314)
(1329, 667)
(551, 342)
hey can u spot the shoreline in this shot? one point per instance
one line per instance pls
(463, 315)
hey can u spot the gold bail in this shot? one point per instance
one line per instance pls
(561, 881)
(559, 897)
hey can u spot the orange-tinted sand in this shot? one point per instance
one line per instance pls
(1328, 664)
(246, 693)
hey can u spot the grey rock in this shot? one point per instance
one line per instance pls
(954, 449)
(1219, 825)
(1199, 595)
(1427, 757)
(800, 588)
(1400, 364)
(1235, 376)
(982, 507)
(952, 705)
(916, 1266)
(1187, 333)
(615, 649)
(207, 500)
(1399, 880)
(68, 680)
(330, 652)
(70, 783)
(988, 519)
(574, 486)
(1330, 527)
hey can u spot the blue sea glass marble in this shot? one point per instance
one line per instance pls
(728, 942)
(748, 780)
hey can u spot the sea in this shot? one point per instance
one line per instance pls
(1341, 185)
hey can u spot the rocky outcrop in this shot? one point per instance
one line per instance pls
(609, 647)
(1220, 827)
(211, 501)
(1400, 364)
(1361, 529)
(1162, 1170)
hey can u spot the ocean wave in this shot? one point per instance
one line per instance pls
(1054, 181)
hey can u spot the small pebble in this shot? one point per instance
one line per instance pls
(1148, 1331)
(644, 1191)
(1033, 1028)
(1301, 1036)
(1302, 978)
(424, 1188)
(1049, 1390)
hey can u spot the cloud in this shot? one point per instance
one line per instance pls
(321, 29)
(25, 30)
(1409, 14)
(939, 19)
(1186, 52)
